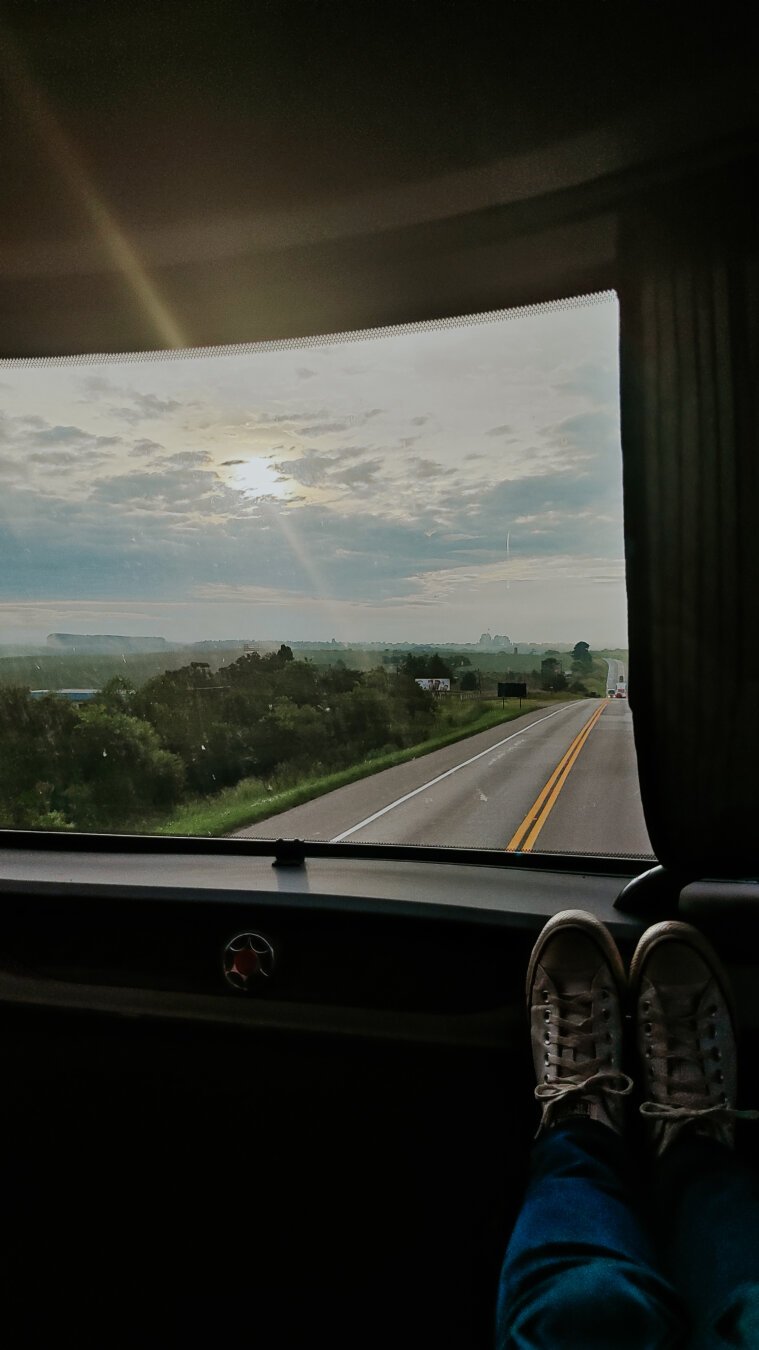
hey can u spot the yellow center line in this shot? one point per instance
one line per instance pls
(523, 841)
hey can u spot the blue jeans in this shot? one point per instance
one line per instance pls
(582, 1271)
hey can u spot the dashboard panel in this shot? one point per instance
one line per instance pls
(430, 951)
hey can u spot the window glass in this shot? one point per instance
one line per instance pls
(369, 587)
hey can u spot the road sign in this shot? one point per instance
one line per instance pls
(512, 690)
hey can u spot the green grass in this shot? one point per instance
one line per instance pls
(250, 801)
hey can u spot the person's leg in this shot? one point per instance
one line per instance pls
(708, 1200)
(711, 1202)
(579, 1269)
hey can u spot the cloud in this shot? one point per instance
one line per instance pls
(596, 432)
(58, 458)
(357, 474)
(131, 405)
(184, 459)
(310, 470)
(594, 381)
(320, 470)
(429, 468)
(10, 468)
(181, 491)
(45, 436)
(144, 407)
(327, 428)
(530, 568)
(145, 447)
(126, 403)
(48, 452)
(264, 421)
(304, 373)
(504, 430)
(352, 451)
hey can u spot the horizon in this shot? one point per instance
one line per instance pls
(348, 643)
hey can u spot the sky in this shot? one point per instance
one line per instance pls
(425, 485)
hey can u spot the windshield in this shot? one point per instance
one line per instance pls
(369, 587)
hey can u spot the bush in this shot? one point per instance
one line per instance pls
(34, 764)
(118, 769)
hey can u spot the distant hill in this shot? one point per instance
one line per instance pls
(115, 644)
(105, 643)
(67, 669)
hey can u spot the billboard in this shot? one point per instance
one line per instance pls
(512, 690)
(435, 686)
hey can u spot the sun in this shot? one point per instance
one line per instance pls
(257, 478)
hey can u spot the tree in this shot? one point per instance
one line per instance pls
(34, 764)
(468, 681)
(245, 668)
(284, 654)
(339, 679)
(552, 676)
(577, 687)
(118, 769)
(364, 718)
(117, 695)
(582, 660)
(188, 708)
(425, 667)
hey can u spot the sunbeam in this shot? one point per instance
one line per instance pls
(62, 152)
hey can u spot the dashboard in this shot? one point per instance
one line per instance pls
(423, 951)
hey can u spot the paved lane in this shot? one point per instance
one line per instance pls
(478, 792)
(616, 672)
(600, 809)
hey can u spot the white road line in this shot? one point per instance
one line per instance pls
(399, 802)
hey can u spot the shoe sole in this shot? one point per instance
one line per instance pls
(593, 928)
(682, 932)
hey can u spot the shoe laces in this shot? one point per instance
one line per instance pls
(682, 1030)
(584, 1073)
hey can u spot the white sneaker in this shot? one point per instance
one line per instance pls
(575, 990)
(685, 1036)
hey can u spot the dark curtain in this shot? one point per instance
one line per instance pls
(689, 369)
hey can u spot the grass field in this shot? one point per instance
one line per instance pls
(64, 670)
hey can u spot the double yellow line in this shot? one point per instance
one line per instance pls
(524, 839)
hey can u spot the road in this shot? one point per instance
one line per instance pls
(616, 672)
(561, 779)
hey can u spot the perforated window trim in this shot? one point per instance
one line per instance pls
(317, 340)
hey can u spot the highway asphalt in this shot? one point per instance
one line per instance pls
(563, 779)
(616, 672)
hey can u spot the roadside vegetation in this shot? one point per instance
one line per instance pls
(209, 747)
(252, 800)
